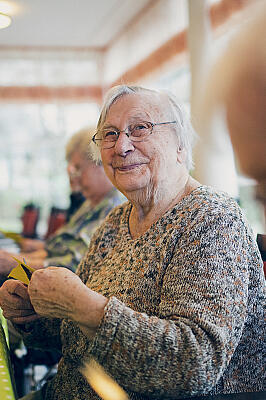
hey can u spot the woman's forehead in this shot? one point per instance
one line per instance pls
(137, 105)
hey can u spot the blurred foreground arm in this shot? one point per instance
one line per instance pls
(238, 83)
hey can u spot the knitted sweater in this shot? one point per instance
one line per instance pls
(186, 305)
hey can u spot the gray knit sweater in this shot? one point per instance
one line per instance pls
(185, 312)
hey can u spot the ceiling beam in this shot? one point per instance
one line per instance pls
(9, 94)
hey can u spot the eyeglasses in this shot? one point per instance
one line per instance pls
(107, 137)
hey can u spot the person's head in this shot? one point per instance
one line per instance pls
(155, 147)
(84, 173)
(76, 154)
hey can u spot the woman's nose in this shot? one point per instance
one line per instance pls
(123, 144)
(70, 169)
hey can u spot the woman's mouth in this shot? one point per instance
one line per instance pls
(126, 168)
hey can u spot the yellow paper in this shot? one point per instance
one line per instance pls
(12, 235)
(21, 272)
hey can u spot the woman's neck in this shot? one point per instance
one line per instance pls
(143, 215)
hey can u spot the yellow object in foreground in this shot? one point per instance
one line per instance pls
(7, 391)
(102, 383)
(12, 235)
(21, 272)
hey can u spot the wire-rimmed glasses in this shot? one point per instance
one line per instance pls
(107, 137)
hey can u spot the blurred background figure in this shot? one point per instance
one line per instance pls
(68, 245)
(238, 83)
(245, 100)
(76, 196)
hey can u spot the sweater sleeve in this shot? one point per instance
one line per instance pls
(185, 350)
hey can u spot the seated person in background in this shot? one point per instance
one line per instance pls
(168, 298)
(76, 199)
(76, 196)
(69, 244)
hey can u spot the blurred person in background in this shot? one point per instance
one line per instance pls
(69, 244)
(76, 196)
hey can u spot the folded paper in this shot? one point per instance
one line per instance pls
(21, 272)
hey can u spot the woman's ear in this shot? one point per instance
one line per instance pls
(181, 155)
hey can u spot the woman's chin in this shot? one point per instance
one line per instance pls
(129, 188)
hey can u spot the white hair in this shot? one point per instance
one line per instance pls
(184, 130)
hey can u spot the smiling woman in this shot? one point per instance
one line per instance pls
(168, 298)
(140, 169)
(134, 143)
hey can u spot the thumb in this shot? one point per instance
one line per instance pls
(20, 290)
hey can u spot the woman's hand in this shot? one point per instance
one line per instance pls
(6, 263)
(15, 302)
(59, 293)
(29, 245)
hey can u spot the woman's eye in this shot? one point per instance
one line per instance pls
(140, 127)
(139, 130)
(110, 134)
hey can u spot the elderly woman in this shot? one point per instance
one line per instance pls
(168, 297)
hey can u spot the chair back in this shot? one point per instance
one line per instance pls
(30, 219)
(56, 219)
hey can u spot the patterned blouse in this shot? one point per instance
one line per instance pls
(185, 308)
(70, 243)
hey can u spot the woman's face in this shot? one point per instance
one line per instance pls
(92, 183)
(74, 171)
(83, 174)
(147, 166)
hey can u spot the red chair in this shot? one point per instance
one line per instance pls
(56, 219)
(30, 219)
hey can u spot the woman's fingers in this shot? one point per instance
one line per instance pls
(17, 296)
(12, 312)
(15, 302)
(19, 289)
(26, 319)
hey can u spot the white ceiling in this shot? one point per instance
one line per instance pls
(67, 23)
